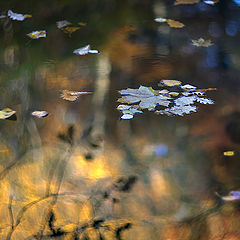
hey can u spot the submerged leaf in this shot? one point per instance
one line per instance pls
(62, 24)
(83, 24)
(40, 114)
(84, 50)
(37, 34)
(202, 43)
(72, 95)
(18, 16)
(70, 30)
(178, 2)
(6, 113)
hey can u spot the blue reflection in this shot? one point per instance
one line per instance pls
(161, 150)
(212, 57)
(231, 28)
(237, 2)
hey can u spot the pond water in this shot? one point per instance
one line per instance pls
(83, 173)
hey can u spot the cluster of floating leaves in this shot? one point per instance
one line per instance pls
(179, 101)
(66, 27)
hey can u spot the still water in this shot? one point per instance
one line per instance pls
(83, 173)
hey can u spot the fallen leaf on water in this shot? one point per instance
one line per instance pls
(233, 195)
(40, 114)
(85, 50)
(62, 24)
(170, 22)
(202, 43)
(170, 83)
(72, 95)
(178, 2)
(70, 30)
(83, 24)
(211, 2)
(37, 34)
(128, 111)
(174, 24)
(145, 96)
(18, 16)
(229, 153)
(6, 113)
(178, 102)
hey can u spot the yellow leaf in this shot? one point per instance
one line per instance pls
(6, 113)
(229, 153)
(171, 83)
(174, 24)
(70, 30)
(81, 24)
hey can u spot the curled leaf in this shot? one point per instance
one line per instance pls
(178, 2)
(84, 50)
(72, 95)
(18, 16)
(6, 113)
(40, 114)
(37, 34)
(229, 153)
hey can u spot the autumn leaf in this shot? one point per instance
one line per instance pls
(6, 113)
(72, 95)
(70, 30)
(211, 2)
(82, 24)
(85, 50)
(37, 34)
(170, 83)
(18, 16)
(62, 24)
(178, 2)
(202, 43)
(229, 153)
(40, 114)
(170, 22)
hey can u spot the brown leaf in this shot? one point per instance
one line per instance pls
(72, 95)
(174, 24)
(178, 2)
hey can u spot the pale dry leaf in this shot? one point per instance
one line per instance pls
(72, 95)
(202, 42)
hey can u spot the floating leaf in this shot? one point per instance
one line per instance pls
(72, 95)
(145, 96)
(160, 20)
(37, 34)
(233, 195)
(204, 100)
(229, 153)
(70, 30)
(188, 87)
(179, 110)
(18, 16)
(128, 111)
(174, 24)
(170, 83)
(6, 113)
(178, 2)
(202, 43)
(84, 50)
(211, 2)
(40, 114)
(62, 24)
(170, 22)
